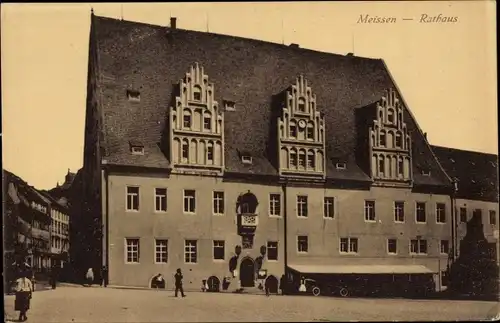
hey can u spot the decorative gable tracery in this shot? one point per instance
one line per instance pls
(301, 133)
(196, 124)
(390, 143)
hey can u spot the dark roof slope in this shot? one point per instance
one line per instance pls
(152, 60)
(477, 173)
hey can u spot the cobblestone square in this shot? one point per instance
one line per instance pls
(78, 304)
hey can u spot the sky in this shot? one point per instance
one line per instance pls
(445, 71)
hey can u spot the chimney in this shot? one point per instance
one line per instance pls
(293, 45)
(173, 22)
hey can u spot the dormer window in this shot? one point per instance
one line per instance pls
(133, 95)
(302, 105)
(229, 105)
(340, 166)
(197, 93)
(246, 159)
(426, 172)
(136, 148)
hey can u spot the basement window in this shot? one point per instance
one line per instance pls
(133, 95)
(340, 165)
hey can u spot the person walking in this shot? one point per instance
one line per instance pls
(24, 292)
(104, 276)
(267, 287)
(178, 282)
(283, 284)
(54, 275)
(90, 277)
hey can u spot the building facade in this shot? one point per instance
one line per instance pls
(245, 165)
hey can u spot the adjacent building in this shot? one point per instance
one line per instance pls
(236, 159)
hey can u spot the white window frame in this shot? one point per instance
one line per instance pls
(189, 197)
(273, 247)
(161, 251)
(348, 242)
(216, 203)
(388, 249)
(396, 215)
(157, 210)
(327, 202)
(416, 212)
(127, 195)
(190, 249)
(132, 251)
(275, 205)
(418, 252)
(441, 247)
(367, 213)
(438, 218)
(298, 244)
(215, 245)
(302, 206)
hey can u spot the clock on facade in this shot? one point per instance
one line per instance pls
(302, 123)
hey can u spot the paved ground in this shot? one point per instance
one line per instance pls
(79, 304)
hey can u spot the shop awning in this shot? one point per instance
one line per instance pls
(361, 269)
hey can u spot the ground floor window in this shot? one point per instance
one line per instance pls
(132, 250)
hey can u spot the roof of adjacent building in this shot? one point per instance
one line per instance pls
(19, 191)
(153, 59)
(475, 172)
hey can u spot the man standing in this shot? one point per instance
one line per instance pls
(104, 276)
(54, 275)
(178, 283)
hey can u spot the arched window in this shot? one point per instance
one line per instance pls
(390, 116)
(302, 105)
(197, 93)
(187, 118)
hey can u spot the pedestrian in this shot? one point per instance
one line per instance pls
(302, 287)
(24, 292)
(267, 286)
(282, 284)
(90, 277)
(159, 281)
(54, 275)
(104, 276)
(178, 283)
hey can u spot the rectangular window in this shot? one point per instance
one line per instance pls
(440, 213)
(272, 250)
(493, 217)
(210, 154)
(218, 201)
(275, 204)
(302, 244)
(207, 123)
(463, 214)
(349, 245)
(132, 198)
(161, 251)
(187, 121)
(381, 166)
(219, 249)
(370, 210)
(293, 131)
(185, 151)
(293, 159)
(310, 161)
(421, 217)
(189, 201)
(190, 251)
(132, 251)
(418, 246)
(302, 206)
(310, 133)
(392, 246)
(302, 160)
(399, 211)
(328, 208)
(161, 199)
(444, 247)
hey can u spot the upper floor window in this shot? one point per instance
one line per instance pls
(197, 93)
(302, 244)
(302, 206)
(133, 95)
(187, 120)
(399, 140)
(229, 105)
(463, 214)
(328, 207)
(293, 131)
(421, 216)
(272, 250)
(160, 199)
(400, 166)
(311, 160)
(440, 213)
(210, 153)
(132, 250)
(370, 210)
(302, 159)
(390, 116)
(191, 251)
(185, 151)
(275, 204)
(382, 139)
(310, 131)
(302, 105)
(132, 198)
(399, 211)
(418, 246)
(218, 203)
(207, 123)
(392, 246)
(293, 159)
(161, 251)
(493, 217)
(348, 245)
(189, 201)
(444, 246)
(219, 249)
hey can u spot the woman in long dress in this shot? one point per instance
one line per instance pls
(24, 291)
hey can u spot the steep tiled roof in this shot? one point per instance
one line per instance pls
(477, 173)
(152, 60)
